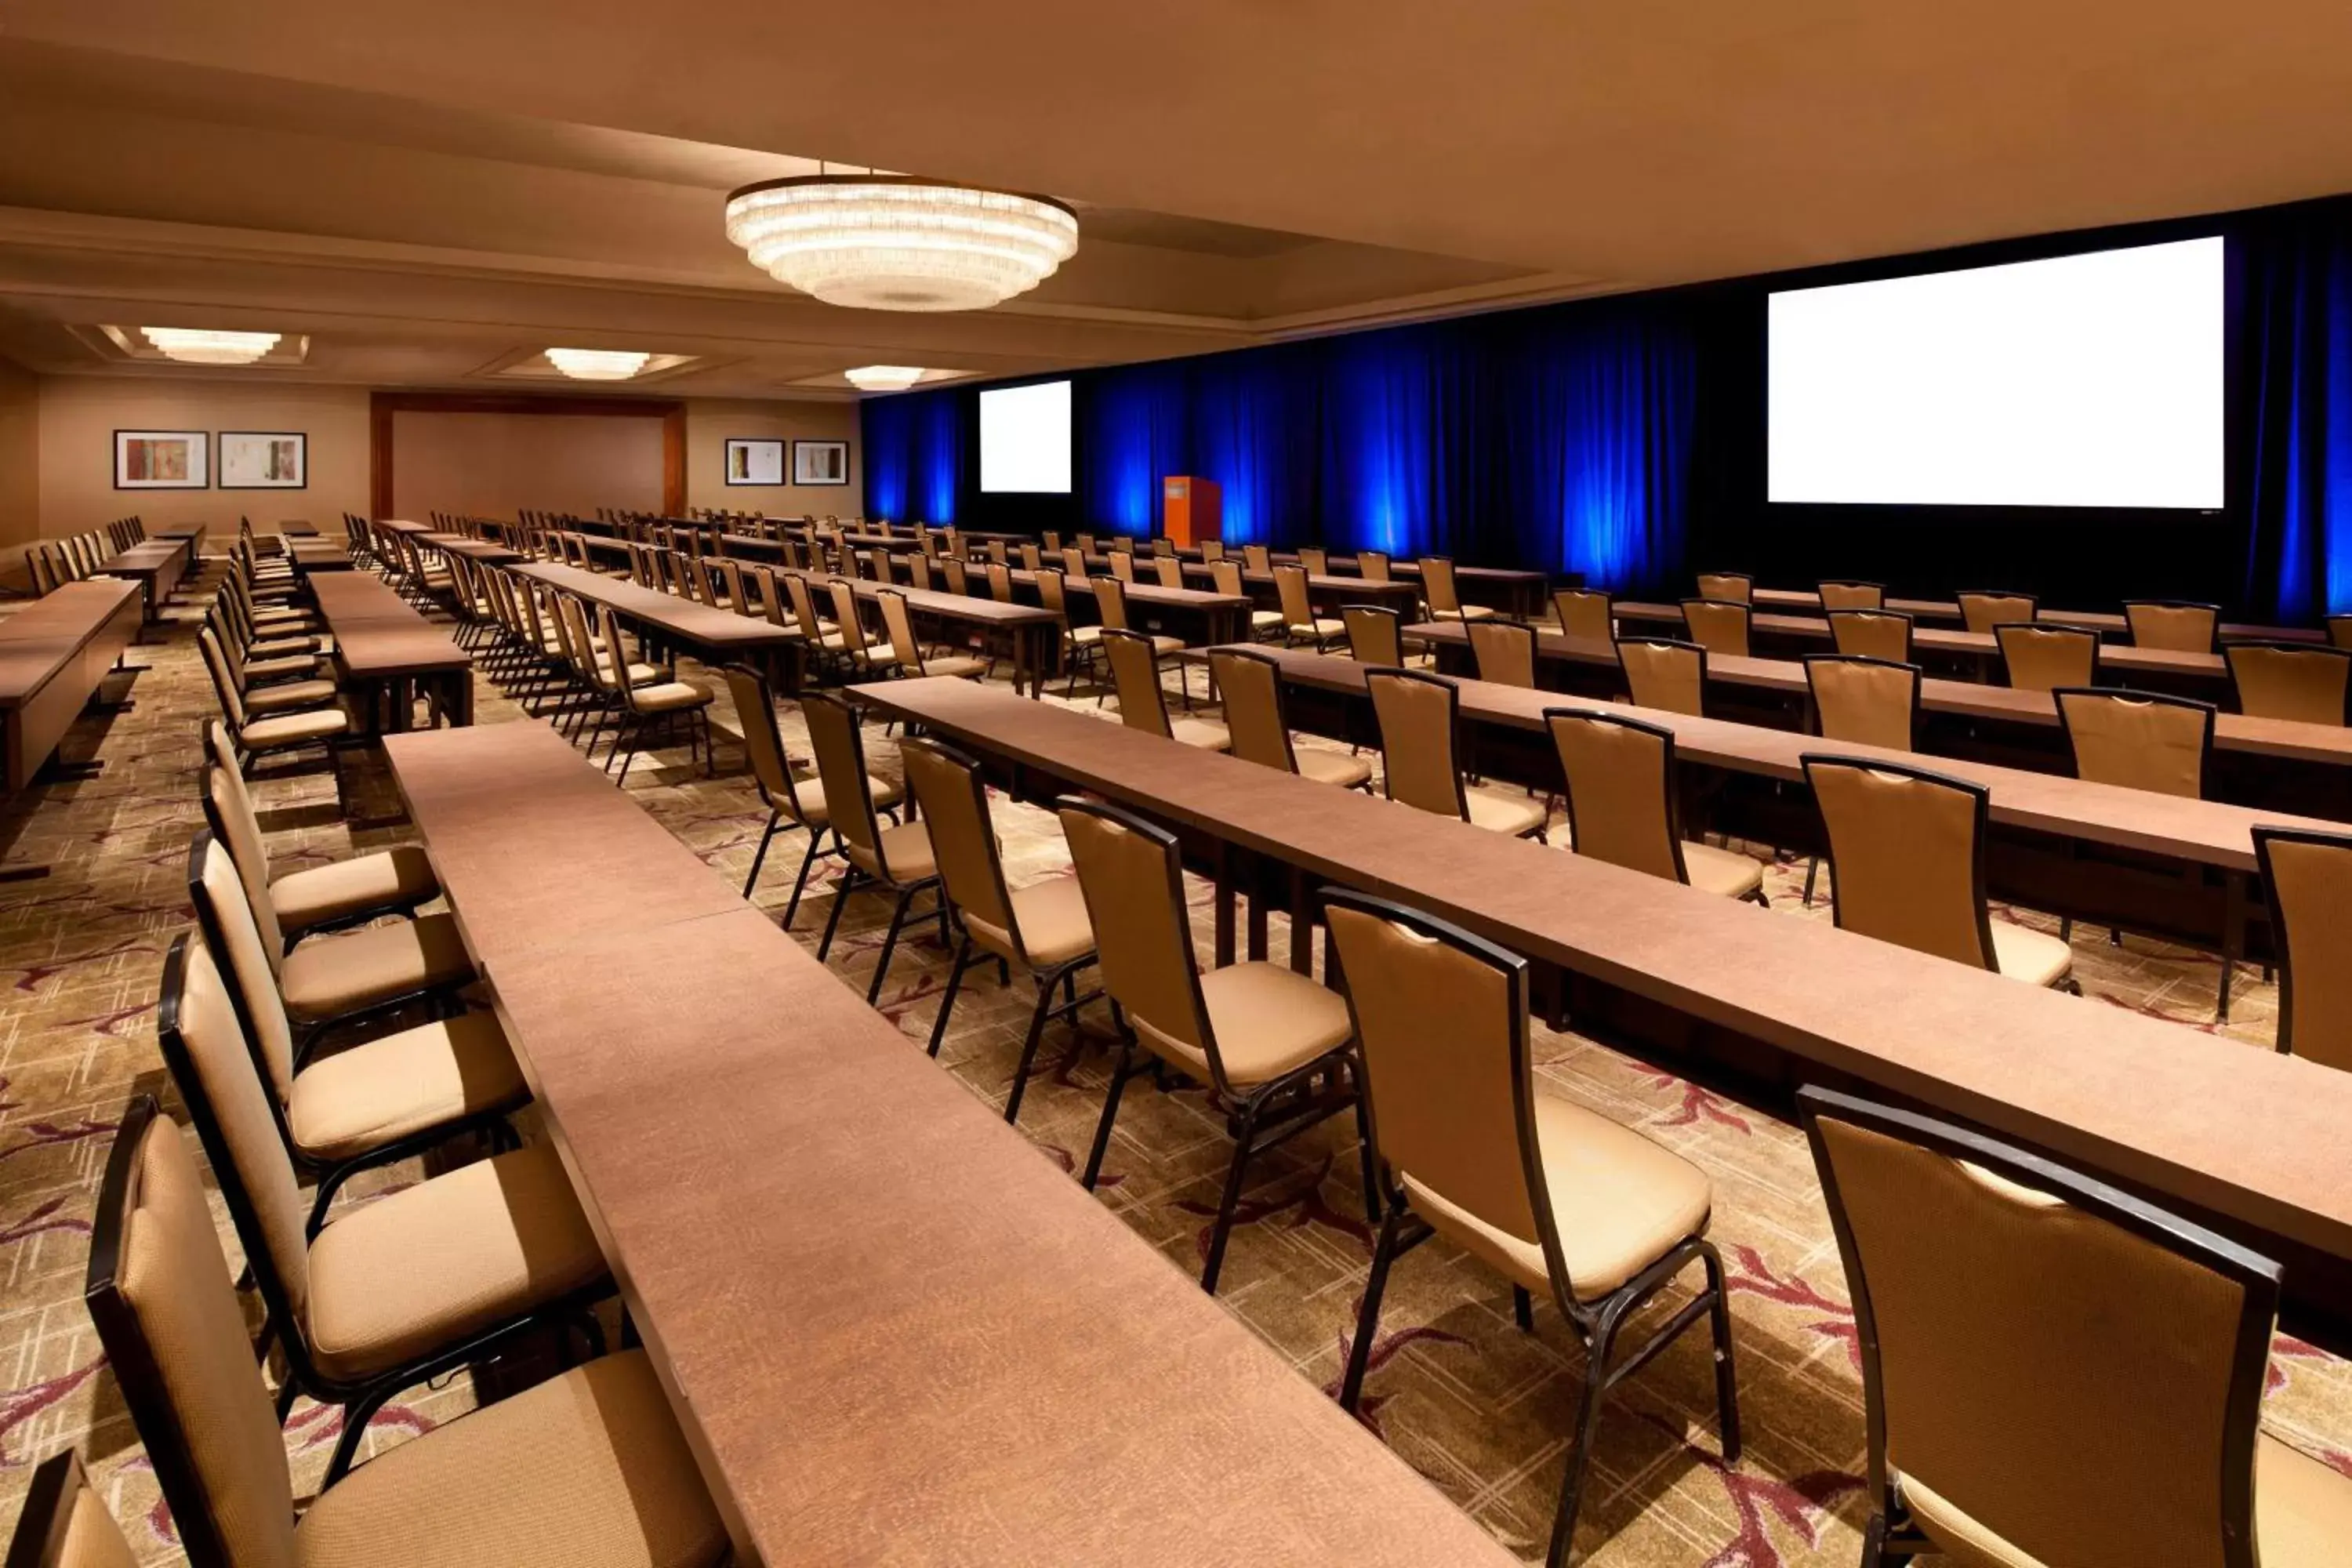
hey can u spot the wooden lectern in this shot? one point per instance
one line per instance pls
(1192, 509)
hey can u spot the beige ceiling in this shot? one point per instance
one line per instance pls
(428, 191)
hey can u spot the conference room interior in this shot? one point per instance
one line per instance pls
(1176, 827)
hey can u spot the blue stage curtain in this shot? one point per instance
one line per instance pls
(1406, 448)
(2297, 291)
(914, 454)
(1248, 409)
(1132, 429)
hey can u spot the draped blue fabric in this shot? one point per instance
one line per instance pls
(914, 454)
(2298, 469)
(1245, 407)
(1130, 432)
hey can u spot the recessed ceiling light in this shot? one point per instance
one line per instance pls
(191, 345)
(598, 364)
(883, 377)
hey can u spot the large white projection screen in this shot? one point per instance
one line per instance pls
(2083, 380)
(1024, 439)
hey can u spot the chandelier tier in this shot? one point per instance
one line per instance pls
(883, 377)
(194, 345)
(881, 242)
(598, 364)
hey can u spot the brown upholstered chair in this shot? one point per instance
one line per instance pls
(825, 642)
(1122, 566)
(1212, 550)
(1316, 559)
(1983, 609)
(1419, 720)
(2290, 680)
(1865, 702)
(1506, 651)
(1032, 558)
(1257, 559)
(588, 1467)
(957, 575)
(639, 707)
(2006, 1306)
(2137, 739)
(896, 862)
(1000, 581)
(1844, 594)
(397, 1291)
(898, 624)
(334, 980)
(1074, 563)
(1872, 634)
(254, 736)
(1906, 853)
(1623, 807)
(1727, 587)
(1042, 928)
(1275, 1049)
(1110, 613)
(856, 645)
(1168, 570)
(1719, 625)
(1443, 595)
(2178, 625)
(1376, 637)
(2043, 658)
(791, 801)
(1586, 613)
(65, 1523)
(1226, 576)
(1665, 674)
(1251, 684)
(1373, 566)
(1142, 704)
(1555, 1198)
(1300, 621)
(313, 899)
(2309, 878)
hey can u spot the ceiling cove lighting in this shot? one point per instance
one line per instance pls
(886, 242)
(883, 377)
(193, 345)
(598, 364)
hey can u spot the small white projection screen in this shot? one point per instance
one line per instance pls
(1024, 439)
(2083, 380)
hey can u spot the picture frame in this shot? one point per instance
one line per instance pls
(820, 462)
(754, 460)
(163, 460)
(264, 460)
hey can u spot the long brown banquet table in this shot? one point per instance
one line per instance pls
(480, 550)
(715, 637)
(1031, 635)
(2107, 623)
(386, 651)
(157, 566)
(2256, 1143)
(1513, 590)
(53, 655)
(892, 1331)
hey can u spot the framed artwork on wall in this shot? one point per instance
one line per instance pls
(163, 460)
(820, 462)
(264, 460)
(754, 462)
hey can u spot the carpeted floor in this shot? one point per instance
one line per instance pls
(1481, 1409)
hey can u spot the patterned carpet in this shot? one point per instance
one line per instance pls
(1481, 1409)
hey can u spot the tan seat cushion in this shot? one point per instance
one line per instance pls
(371, 1096)
(1200, 732)
(1473, 612)
(1724, 871)
(1265, 620)
(1619, 1201)
(294, 729)
(908, 848)
(1269, 1019)
(429, 1265)
(296, 662)
(1501, 813)
(263, 650)
(1331, 768)
(810, 793)
(1052, 916)
(956, 664)
(394, 878)
(2033, 956)
(586, 1470)
(291, 695)
(670, 697)
(336, 975)
(1322, 627)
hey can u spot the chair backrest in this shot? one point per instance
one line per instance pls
(1665, 674)
(1719, 625)
(1257, 558)
(1437, 586)
(1872, 634)
(223, 679)
(1030, 558)
(1865, 702)
(1418, 714)
(1074, 563)
(954, 794)
(1449, 1088)
(1290, 590)
(1111, 602)
(1727, 587)
(1122, 566)
(957, 575)
(994, 550)
(1053, 540)
(833, 736)
(1212, 550)
(1621, 796)
(1085, 541)
(846, 615)
(1163, 549)
(1251, 684)
(772, 596)
(159, 1293)
(899, 627)
(2043, 658)
(1983, 609)
(1842, 593)
(1225, 577)
(763, 740)
(919, 572)
(1170, 571)
(2032, 1340)
(1586, 613)
(1375, 634)
(1053, 592)
(2173, 623)
(1316, 559)
(1000, 581)
(2290, 681)
(243, 941)
(1131, 876)
(1374, 566)
(2309, 876)
(65, 1523)
(1906, 855)
(2137, 739)
(612, 657)
(1506, 651)
(1134, 675)
(804, 606)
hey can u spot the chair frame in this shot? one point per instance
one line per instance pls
(2008, 679)
(1281, 708)
(782, 816)
(1826, 583)
(58, 1484)
(2215, 610)
(1596, 1324)
(2058, 695)
(2284, 947)
(1890, 1536)
(1746, 622)
(2032, 604)
(1684, 644)
(1673, 796)
(1540, 832)
(2324, 650)
(1910, 632)
(853, 879)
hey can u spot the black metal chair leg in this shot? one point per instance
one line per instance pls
(793, 907)
(1727, 1375)
(890, 945)
(1368, 1319)
(1588, 1429)
(841, 891)
(1232, 1199)
(1028, 1049)
(356, 1417)
(775, 819)
(947, 999)
(1523, 1309)
(1118, 1077)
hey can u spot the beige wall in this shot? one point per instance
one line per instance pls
(79, 414)
(493, 465)
(20, 454)
(710, 422)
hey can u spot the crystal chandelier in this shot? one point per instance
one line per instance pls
(598, 364)
(193, 345)
(884, 242)
(883, 377)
